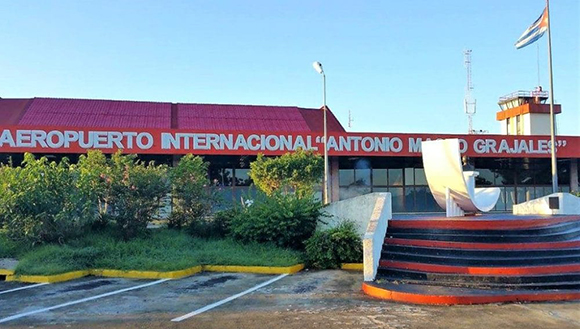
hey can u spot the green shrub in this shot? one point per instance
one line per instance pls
(328, 249)
(217, 226)
(5, 173)
(40, 201)
(10, 248)
(192, 198)
(285, 220)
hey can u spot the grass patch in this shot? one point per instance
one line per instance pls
(162, 250)
(53, 259)
(231, 252)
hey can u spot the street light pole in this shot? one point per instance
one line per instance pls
(318, 67)
(552, 118)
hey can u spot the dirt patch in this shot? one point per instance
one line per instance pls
(303, 289)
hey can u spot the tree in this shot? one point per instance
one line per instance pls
(125, 191)
(299, 172)
(93, 168)
(40, 201)
(192, 199)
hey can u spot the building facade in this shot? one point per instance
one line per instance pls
(231, 136)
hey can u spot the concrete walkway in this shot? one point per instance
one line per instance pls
(309, 299)
(8, 263)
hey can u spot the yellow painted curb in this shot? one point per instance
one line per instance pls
(153, 274)
(254, 269)
(352, 266)
(4, 271)
(147, 274)
(48, 278)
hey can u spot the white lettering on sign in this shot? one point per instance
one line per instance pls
(144, 145)
(6, 138)
(415, 144)
(258, 142)
(50, 139)
(396, 144)
(70, 137)
(23, 138)
(462, 145)
(517, 146)
(56, 139)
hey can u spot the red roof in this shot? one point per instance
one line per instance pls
(11, 110)
(252, 117)
(96, 113)
(133, 114)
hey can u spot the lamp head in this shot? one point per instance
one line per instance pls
(318, 67)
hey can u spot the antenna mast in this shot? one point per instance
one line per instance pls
(469, 102)
(350, 120)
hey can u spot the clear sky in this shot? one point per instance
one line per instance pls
(396, 65)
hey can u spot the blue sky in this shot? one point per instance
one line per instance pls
(396, 65)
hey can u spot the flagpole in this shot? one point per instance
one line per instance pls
(552, 121)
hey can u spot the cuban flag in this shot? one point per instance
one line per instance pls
(534, 32)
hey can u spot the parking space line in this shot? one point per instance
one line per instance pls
(21, 315)
(229, 299)
(22, 288)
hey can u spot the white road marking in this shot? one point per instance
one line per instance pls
(21, 315)
(22, 288)
(229, 299)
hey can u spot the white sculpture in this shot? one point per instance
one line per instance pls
(453, 189)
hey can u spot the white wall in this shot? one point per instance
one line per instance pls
(503, 126)
(530, 124)
(371, 213)
(358, 209)
(374, 237)
(539, 124)
(568, 205)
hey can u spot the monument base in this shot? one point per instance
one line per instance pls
(493, 258)
(553, 204)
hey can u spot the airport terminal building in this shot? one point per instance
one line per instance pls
(231, 136)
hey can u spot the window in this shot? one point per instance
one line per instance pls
(409, 176)
(420, 178)
(510, 197)
(380, 177)
(345, 177)
(362, 177)
(221, 176)
(500, 205)
(397, 198)
(228, 176)
(242, 177)
(486, 177)
(396, 177)
(415, 176)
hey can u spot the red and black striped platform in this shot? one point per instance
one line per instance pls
(479, 259)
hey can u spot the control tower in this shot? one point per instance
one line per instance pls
(525, 113)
